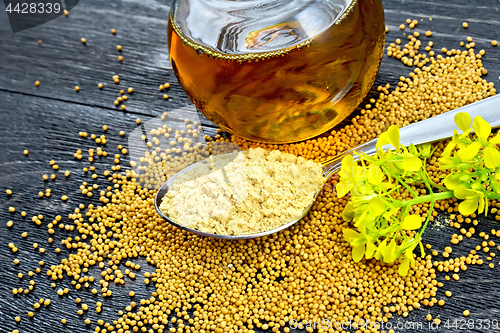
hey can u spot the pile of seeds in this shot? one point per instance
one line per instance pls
(305, 273)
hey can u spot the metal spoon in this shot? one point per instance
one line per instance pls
(429, 130)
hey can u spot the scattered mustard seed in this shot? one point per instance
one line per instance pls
(100, 85)
(8, 191)
(84, 40)
(465, 25)
(77, 88)
(37, 83)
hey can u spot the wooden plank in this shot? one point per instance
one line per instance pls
(48, 129)
(46, 120)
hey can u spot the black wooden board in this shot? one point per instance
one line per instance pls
(46, 121)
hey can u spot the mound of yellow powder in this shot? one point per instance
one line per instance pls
(243, 193)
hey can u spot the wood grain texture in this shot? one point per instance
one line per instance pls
(46, 121)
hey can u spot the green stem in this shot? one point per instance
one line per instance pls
(426, 179)
(400, 181)
(493, 196)
(427, 220)
(428, 198)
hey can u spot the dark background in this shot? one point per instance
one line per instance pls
(46, 121)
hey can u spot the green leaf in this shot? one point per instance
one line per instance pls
(411, 222)
(463, 121)
(481, 127)
(404, 267)
(350, 235)
(491, 157)
(358, 252)
(496, 187)
(468, 207)
(469, 152)
(393, 133)
(377, 206)
(451, 183)
(425, 150)
(412, 163)
(412, 149)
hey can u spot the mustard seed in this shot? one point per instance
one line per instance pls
(77, 88)
(113, 31)
(37, 83)
(8, 191)
(119, 47)
(100, 85)
(84, 40)
(465, 25)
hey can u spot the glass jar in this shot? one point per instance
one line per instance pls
(276, 71)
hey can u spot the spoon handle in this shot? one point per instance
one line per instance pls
(429, 130)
